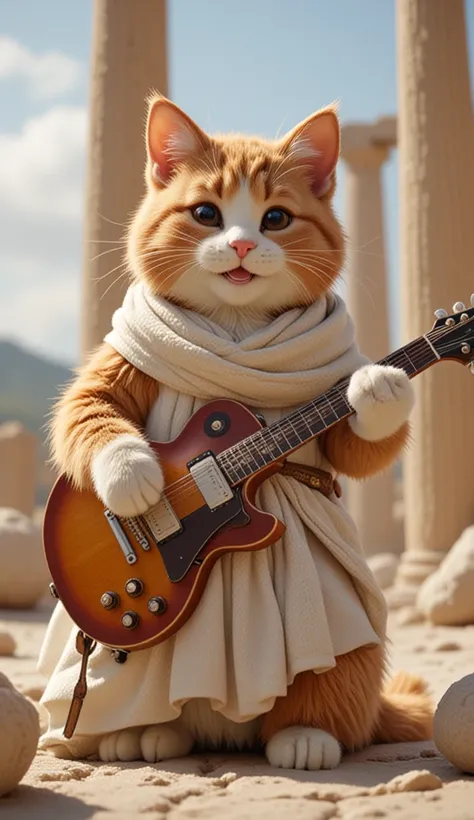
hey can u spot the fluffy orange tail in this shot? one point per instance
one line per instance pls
(406, 713)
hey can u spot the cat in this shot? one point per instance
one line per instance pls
(242, 229)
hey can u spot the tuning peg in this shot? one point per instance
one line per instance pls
(471, 368)
(441, 313)
(472, 299)
(458, 306)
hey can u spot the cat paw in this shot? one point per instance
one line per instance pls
(383, 399)
(127, 476)
(162, 741)
(300, 747)
(123, 745)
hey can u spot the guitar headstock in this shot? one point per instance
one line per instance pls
(452, 335)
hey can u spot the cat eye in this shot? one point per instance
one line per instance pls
(207, 214)
(275, 220)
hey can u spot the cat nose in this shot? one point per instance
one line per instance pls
(242, 246)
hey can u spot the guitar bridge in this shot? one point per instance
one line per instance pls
(162, 521)
(210, 481)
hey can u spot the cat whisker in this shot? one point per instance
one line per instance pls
(124, 273)
(110, 250)
(175, 233)
(109, 273)
(177, 272)
(111, 221)
(105, 242)
(299, 283)
(280, 176)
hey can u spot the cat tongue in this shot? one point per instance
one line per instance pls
(240, 276)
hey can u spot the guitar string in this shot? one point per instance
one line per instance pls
(339, 401)
(419, 345)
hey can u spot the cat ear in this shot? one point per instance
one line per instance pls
(171, 138)
(315, 145)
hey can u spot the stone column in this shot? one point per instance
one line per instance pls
(18, 467)
(371, 501)
(128, 61)
(436, 142)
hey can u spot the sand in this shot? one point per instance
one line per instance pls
(404, 781)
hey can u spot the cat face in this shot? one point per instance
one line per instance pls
(237, 221)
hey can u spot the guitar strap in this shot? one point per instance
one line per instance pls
(85, 646)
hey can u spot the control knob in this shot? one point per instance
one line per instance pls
(157, 605)
(130, 619)
(134, 587)
(109, 600)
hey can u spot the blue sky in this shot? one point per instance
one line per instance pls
(248, 66)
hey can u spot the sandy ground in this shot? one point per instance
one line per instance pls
(403, 781)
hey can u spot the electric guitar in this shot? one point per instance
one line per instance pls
(131, 583)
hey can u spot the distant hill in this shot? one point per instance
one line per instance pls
(28, 385)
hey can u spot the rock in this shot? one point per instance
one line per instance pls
(414, 781)
(446, 598)
(447, 646)
(384, 566)
(7, 644)
(19, 723)
(409, 615)
(24, 576)
(453, 728)
(400, 596)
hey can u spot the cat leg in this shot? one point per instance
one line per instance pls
(322, 714)
(151, 743)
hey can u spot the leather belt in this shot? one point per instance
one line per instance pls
(312, 477)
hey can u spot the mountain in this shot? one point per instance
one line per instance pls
(28, 385)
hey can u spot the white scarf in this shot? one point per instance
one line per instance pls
(279, 611)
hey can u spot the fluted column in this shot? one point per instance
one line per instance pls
(128, 60)
(371, 501)
(436, 161)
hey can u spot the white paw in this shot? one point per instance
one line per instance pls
(123, 745)
(299, 747)
(127, 476)
(383, 399)
(162, 741)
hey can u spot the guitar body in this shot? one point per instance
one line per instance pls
(86, 560)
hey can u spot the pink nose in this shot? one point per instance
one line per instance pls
(242, 246)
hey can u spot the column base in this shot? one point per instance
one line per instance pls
(415, 567)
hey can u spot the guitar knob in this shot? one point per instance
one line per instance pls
(458, 306)
(109, 600)
(157, 605)
(441, 313)
(134, 587)
(130, 619)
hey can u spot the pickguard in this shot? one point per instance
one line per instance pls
(198, 528)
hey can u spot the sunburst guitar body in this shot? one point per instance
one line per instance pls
(132, 583)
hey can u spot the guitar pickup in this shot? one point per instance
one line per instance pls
(210, 481)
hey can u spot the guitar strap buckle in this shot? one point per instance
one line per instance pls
(85, 646)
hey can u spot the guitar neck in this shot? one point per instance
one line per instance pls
(277, 441)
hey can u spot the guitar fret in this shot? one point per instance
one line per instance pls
(300, 440)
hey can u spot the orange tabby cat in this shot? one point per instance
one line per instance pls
(241, 230)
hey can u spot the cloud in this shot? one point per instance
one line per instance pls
(41, 203)
(40, 169)
(48, 75)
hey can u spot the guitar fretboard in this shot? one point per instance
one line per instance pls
(277, 441)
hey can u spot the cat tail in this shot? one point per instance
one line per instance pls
(406, 712)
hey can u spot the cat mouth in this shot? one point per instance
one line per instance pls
(238, 276)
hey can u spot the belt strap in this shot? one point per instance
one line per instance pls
(85, 646)
(312, 477)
